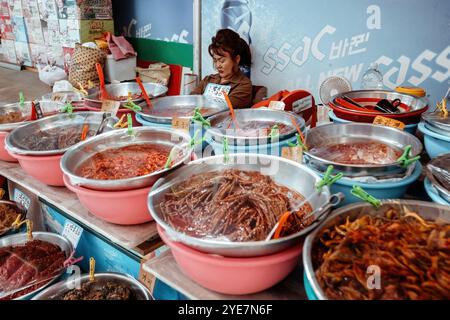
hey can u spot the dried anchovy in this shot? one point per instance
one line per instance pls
(231, 204)
(413, 256)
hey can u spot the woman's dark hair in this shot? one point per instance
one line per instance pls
(226, 40)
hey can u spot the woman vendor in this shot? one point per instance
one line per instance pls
(229, 52)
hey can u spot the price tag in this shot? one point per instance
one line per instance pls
(181, 123)
(383, 121)
(322, 114)
(110, 106)
(302, 104)
(293, 153)
(216, 90)
(277, 105)
(22, 199)
(72, 232)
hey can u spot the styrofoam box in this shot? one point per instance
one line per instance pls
(120, 70)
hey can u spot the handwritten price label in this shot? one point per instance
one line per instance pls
(111, 107)
(277, 105)
(293, 153)
(72, 232)
(181, 123)
(383, 121)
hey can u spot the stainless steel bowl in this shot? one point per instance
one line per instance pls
(415, 103)
(353, 132)
(427, 210)
(21, 210)
(438, 172)
(56, 239)
(238, 137)
(77, 155)
(63, 97)
(121, 89)
(14, 141)
(15, 107)
(435, 122)
(295, 176)
(166, 108)
(58, 290)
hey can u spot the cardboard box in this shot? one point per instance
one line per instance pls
(68, 53)
(84, 9)
(19, 29)
(4, 9)
(9, 51)
(38, 53)
(6, 29)
(47, 9)
(34, 30)
(30, 9)
(81, 31)
(23, 53)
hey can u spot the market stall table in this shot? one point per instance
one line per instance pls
(164, 268)
(130, 238)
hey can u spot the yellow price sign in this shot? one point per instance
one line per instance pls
(181, 123)
(383, 121)
(293, 153)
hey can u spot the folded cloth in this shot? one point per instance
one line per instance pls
(120, 48)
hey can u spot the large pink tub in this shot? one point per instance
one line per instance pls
(4, 155)
(233, 275)
(46, 169)
(119, 207)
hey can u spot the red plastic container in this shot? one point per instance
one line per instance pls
(4, 155)
(46, 169)
(118, 207)
(233, 275)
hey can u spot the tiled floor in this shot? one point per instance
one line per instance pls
(12, 82)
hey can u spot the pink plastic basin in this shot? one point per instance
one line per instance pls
(46, 169)
(233, 275)
(120, 207)
(4, 155)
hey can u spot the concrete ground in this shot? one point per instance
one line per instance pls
(12, 82)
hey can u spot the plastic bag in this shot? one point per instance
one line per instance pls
(51, 74)
(62, 85)
(119, 47)
(155, 73)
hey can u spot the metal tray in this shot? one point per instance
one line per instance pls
(443, 163)
(121, 89)
(435, 122)
(166, 108)
(14, 140)
(19, 208)
(345, 133)
(63, 97)
(287, 173)
(427, 210)
(77, 155)
(58, 290)
(262, 115)
(14, 107)
(20, 239)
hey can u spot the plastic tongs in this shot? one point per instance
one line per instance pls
(103, 92)
(387, 106)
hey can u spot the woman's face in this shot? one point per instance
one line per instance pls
(225, 64)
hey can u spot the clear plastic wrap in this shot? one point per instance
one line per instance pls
(399, 251)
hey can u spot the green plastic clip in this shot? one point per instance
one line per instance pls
(68, 108)
(21, 99)
(405, 160)
(360, 193)
(226, 154)
(132, 106)
(130, 125)
(193, 142)
(299, 143)
(199, 118)
(274, 131)
(169, 158)
(327, 179)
